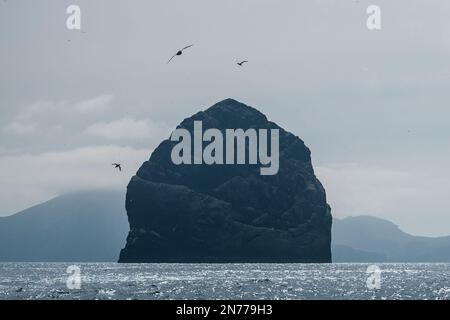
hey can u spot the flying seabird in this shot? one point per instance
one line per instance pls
(241, 62)
(118, 166)
(179, 53)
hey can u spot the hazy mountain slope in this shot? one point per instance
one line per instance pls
(83, 226)
(92, 226)
(342, 253)
(383, 237)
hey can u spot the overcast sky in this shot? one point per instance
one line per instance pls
(373, 106)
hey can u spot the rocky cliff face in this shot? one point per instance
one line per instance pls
(228, 213)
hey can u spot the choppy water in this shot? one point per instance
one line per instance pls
(223, 281)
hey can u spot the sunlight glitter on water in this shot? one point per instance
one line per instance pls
(223, 281)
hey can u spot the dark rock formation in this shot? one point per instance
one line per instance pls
(228, 213)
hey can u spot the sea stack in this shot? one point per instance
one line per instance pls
(228, 213)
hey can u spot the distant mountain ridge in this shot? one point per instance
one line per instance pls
(385, 239)
(83, 227)
(343, 253)
(92, 226)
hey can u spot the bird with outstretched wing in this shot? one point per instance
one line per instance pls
(179, 52)
(240, 63)
(118, 166)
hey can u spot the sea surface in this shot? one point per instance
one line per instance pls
(223, 281)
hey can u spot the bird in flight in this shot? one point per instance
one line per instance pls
(240, 63)
(179, 52)
(118, 166)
